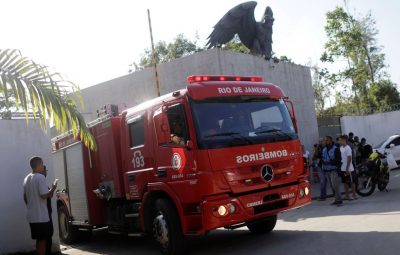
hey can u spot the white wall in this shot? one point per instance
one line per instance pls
(375, 128)
(18, 143)
(138, 87)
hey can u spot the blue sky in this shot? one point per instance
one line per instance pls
(94, 41)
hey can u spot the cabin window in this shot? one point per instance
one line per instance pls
(136, 132)
(178, 124)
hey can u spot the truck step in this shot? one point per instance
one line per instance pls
(124, 232)
(131, 215)
(139, 234)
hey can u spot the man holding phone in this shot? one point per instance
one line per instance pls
(36, 193)
(49, 241)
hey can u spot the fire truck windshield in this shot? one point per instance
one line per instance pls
(238, 121)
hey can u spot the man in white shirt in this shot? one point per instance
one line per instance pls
(349, 176)
(36, 193)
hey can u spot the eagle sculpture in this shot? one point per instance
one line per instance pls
(257, 36)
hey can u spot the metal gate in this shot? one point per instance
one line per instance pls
(329, 126)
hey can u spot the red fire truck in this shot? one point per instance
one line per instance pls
(224, 152)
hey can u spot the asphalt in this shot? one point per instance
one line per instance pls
(367, 226)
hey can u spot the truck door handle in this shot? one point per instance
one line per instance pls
(161, 173)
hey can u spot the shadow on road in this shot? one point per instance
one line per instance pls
(343, 240)
(377, 203)
(242, 242)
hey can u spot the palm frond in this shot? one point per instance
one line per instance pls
(45, 93)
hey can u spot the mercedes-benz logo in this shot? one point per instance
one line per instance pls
(267, 173)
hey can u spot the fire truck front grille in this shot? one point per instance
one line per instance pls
(270, 206)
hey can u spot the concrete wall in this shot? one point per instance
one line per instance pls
(19, 142)
(375, 128)
(140, 86)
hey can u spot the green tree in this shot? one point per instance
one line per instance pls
(236, 45)
(352, 41)
(384, 95)
(179, 47)
(322, 89)
(36, 89)
(285, 59)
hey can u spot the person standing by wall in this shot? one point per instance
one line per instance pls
(365, 150)
(356, 152)
(316, 158)
(348, 174)
(49, 241)
(36, 193)
(317, 169)
(331, 165)
(350, 139)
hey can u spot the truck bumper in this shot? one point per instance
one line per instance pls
(225, 210)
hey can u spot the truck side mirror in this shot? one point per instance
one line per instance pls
(162, 129)
(392, 146)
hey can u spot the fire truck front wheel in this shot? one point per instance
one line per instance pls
(166, 227)
(263, 226)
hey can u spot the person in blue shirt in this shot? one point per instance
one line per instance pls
(331, 161)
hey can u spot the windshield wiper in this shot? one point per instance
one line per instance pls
(235, 135)
(274, 130)
(222, 134)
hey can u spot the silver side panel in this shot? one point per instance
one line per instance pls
(59, 169)
(76, 182)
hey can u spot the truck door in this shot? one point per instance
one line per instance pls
(175, 160)
(138, 161)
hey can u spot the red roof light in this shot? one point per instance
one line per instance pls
(201, 78)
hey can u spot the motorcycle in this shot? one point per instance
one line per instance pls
(376, 173)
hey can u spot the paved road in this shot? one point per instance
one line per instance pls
(365, 226)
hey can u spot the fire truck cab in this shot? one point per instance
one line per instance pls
(224, 152)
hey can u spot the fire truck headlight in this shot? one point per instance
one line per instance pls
(222, 210)
(306, 191)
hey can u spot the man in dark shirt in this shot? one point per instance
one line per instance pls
(365, 150)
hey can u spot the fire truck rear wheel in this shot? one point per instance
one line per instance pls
(166, 227)
(68, 234)
(263, 226)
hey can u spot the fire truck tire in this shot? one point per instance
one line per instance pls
(166, 227)
(68, 234)
(264, 226)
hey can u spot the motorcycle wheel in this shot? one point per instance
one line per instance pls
(366, 185)
(383, 183)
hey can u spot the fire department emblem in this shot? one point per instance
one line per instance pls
(267, 173)
(176, 161)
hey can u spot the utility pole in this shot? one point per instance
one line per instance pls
(154, 56)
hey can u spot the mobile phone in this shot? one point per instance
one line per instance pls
(55, 182)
